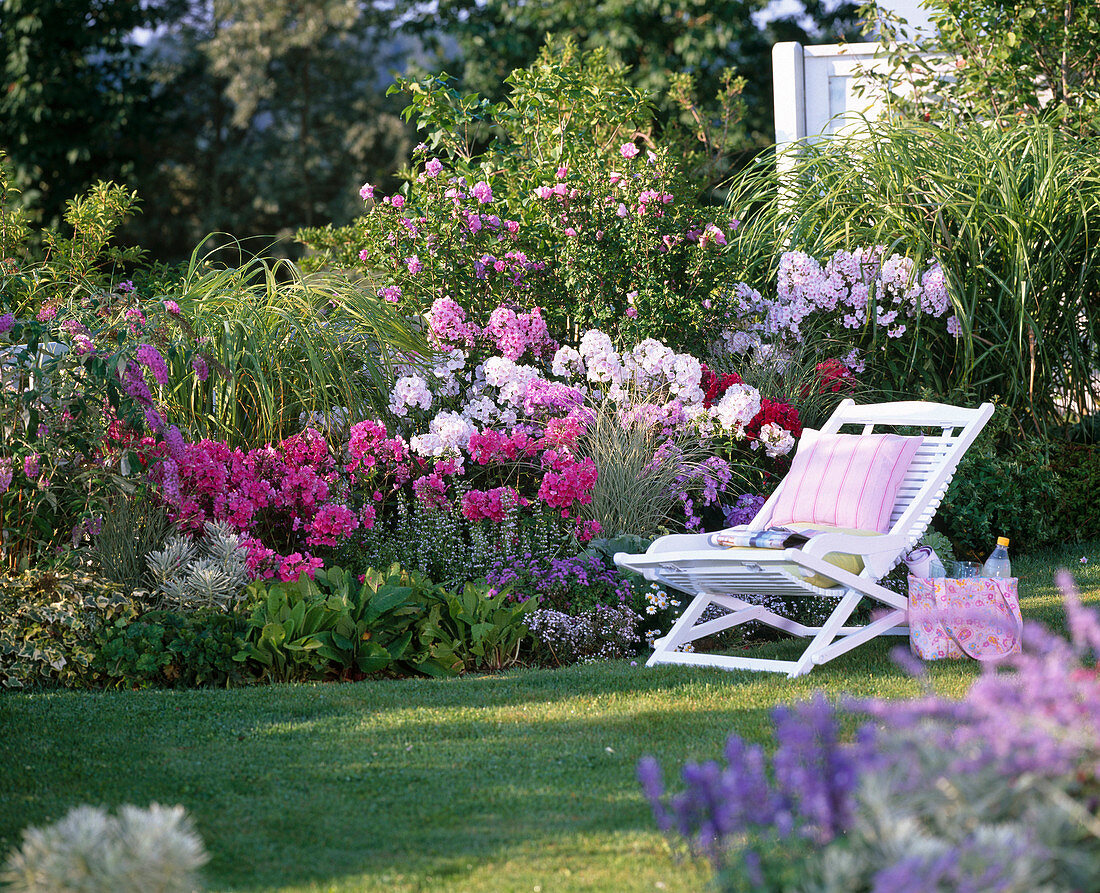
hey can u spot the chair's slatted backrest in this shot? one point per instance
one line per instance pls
(949, 432)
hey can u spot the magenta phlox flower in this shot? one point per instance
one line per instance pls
(489, 505)
(414, 264)
(31, 465)
(431, 491)
(572, 485)
(172, 307)
(5, 474)
(297, 563)
(331, 524)
(47, 313)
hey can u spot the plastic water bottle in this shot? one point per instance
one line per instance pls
(997, 564)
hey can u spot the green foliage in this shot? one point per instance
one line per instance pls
(622, 244)
(132, 527)
(1077, 471)
(171, 650)
(334, 626)
(995, 59)
(1011, 214)
(48, 624)
(1004, 486)
(483, 630)
(283, 632)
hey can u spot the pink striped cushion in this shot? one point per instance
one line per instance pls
(846, 480)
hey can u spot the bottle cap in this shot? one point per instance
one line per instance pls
(1002, 541)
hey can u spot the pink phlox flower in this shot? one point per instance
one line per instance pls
(564, 431)
(414, 264)
(431, 491)
(366, 192)
(5, 475)
(628, 150)
(433, 167)
(543, 192)
(331, 524)
(563, 172)
(490, 505)
(712, 233)
(296, 564)
(398, 201)
(391, 293)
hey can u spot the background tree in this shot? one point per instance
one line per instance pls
(681, 52)
(76, 97)
(998, 59)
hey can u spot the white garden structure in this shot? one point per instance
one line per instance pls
(729, 581)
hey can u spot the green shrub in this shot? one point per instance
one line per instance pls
(623, 244)
(333, 626)
(1077, 473)
(1004, 486)
(48, 625)
(482, 629)
(171, 650)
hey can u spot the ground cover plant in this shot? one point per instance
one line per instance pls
(503, 781)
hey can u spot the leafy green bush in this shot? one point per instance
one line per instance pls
(1077, 471)
(1004, 486)
(171, 650)
(568, 207)
(333, 626)
(482, 628)
(48, 626)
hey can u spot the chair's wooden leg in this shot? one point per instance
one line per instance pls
(682, 631)
(829, 630)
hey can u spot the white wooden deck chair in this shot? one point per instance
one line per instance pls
(721, 578)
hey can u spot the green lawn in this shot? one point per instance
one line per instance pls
(521, 781)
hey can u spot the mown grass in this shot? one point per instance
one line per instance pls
(520, 781)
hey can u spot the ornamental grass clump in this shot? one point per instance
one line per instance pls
(996, 791)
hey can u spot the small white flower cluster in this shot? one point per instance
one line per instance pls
(658, 600)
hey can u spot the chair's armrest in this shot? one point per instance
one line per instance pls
(678, 542)
(879, 552)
